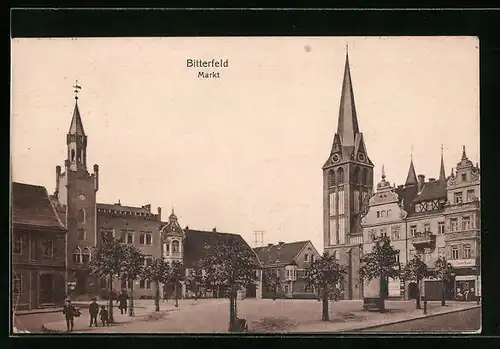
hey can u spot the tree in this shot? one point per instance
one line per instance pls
(272, 281)
(131, 267)
(176, 276)
(158, 271)
(325, 274)
(380, 263)
(230, 264)
(196, 280)
(415, 270)
(443, 271)
(106, 263)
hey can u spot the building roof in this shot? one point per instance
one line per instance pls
(31, 207)
(412, 177)
(347, 127)
(406, 196)
(281, 253)
(76, 126)
(432, 190)
(121, 208)
(196, 240)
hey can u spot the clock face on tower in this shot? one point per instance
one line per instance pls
(335, 158)
(361, 157)
(81, 196)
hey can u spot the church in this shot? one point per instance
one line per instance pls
(434, 218)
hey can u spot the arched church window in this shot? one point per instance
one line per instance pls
(81, 216)
(86, 255)
(364, 177)
(331, 178)
(77, 256)
(72, 154)
(175, 247)
(355, 175)
(79, 157)
(340, 175)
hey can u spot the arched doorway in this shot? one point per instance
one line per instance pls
(412, 290)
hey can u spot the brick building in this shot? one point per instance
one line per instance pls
(290, 262)
(38, 249)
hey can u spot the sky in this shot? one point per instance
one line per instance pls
(244, 151)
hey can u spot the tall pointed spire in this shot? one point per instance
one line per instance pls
(383, 172)
(348, 121)
(464, 155)
(412, 176)
(76, 126)
(442, 175)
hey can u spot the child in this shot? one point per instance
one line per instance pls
(104, 316)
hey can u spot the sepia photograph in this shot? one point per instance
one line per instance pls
(251, 185)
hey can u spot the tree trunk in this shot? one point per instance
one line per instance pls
(231, 311)
(418, 295)
(319, 292)
(110, 285)
(443, 294)
(325, 316)
(176, 298)
(131, 308)
(382, 295)
(157, 297)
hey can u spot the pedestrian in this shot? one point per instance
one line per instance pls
(69, 312)
(122, 300)
(165, 296)
(104, 316)
(93, 311)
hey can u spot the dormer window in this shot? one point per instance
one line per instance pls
(464, 177)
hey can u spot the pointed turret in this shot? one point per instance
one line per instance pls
(464, 155)
(76, 139)
(76, 127)
(411, 179)
(442, 175)
(348, 121)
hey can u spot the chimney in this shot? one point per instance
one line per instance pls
(96, 177)
(432, 179)
(186, 228)
(421, 181)
(280, 244)
(214, 230)
(58, 178)
(118, 203)
(269, 245)
(159, 214)
(147, 207)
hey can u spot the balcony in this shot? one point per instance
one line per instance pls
(424, 240)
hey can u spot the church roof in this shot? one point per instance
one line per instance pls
(196, 240)
(348, 122)
(281, 253)
(76, 126)
(31, 207)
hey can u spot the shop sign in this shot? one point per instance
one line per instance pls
(458, 263)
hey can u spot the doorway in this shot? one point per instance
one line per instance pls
(412, 290)
(46, 289)
(251, 291)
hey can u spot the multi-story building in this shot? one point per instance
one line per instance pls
(290, 262)
(38, 249)
(463, 228)
(347, 187)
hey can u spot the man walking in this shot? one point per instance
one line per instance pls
(93, 311)
(122, 300)
(69, 312)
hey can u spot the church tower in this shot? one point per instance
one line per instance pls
(347, 188)
(76, 192)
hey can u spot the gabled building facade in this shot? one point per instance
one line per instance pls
(290, 262)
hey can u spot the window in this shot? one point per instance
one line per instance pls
(306, 258)
(312, 258)
(388, 213)
(454, 224)
(149, 238)
(77, 256)
(458, 198)
(148, 260)
(340, 175)
(441, 227)
(383, 232)
(17, 247)
(395, 232)
(378, 214)
(107, 232)
(175, 247)
(364, 177)
(397, 257)
(382, 213)
(81, 216)
(82, 234)
(17, 284)
(427, 227)
(372, 235)
(467, 253)
(167, 248)
(130, 238)
(470, 195)
(465, 223)
(454, 252)
(144, 284)
(464, 177)
(336, 255)
(86, 255)
(413, 230)
(331, 178)
(47, 247)
(142, 238)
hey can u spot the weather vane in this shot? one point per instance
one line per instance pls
(77, 89)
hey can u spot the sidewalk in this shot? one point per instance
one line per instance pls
(368, 320)
(143, 311)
